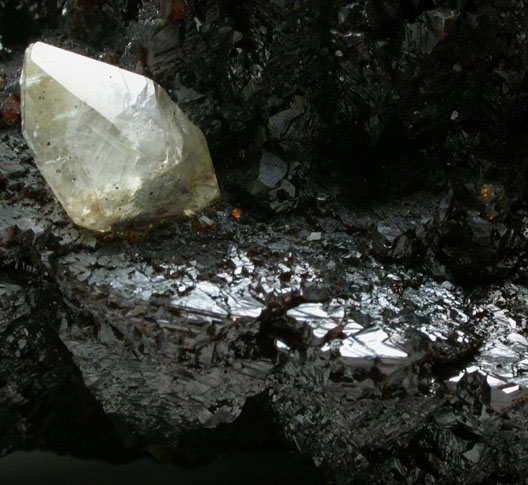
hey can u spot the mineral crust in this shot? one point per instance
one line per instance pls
(361, 291)
(112, 145)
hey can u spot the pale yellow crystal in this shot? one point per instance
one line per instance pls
(112, 145)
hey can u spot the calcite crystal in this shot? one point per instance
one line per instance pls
(113, 146)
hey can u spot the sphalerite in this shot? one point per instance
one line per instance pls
(112, 145)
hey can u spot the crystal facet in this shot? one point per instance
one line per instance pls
(112, 145)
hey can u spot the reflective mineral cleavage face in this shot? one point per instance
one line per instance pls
(112, 145)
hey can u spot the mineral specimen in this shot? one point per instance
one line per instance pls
(112, 145)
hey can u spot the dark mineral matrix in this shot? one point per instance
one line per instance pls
(357, 298)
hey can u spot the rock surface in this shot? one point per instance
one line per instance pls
(362, 288)
(359, 364)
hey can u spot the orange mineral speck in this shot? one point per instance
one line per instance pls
(236, 213)
(486, 191)
(106, 236)
(179, 9)
(133, 237)
(335, 333)
(9, 110)
(204, 225)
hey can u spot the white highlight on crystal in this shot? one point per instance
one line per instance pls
(82, 76)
